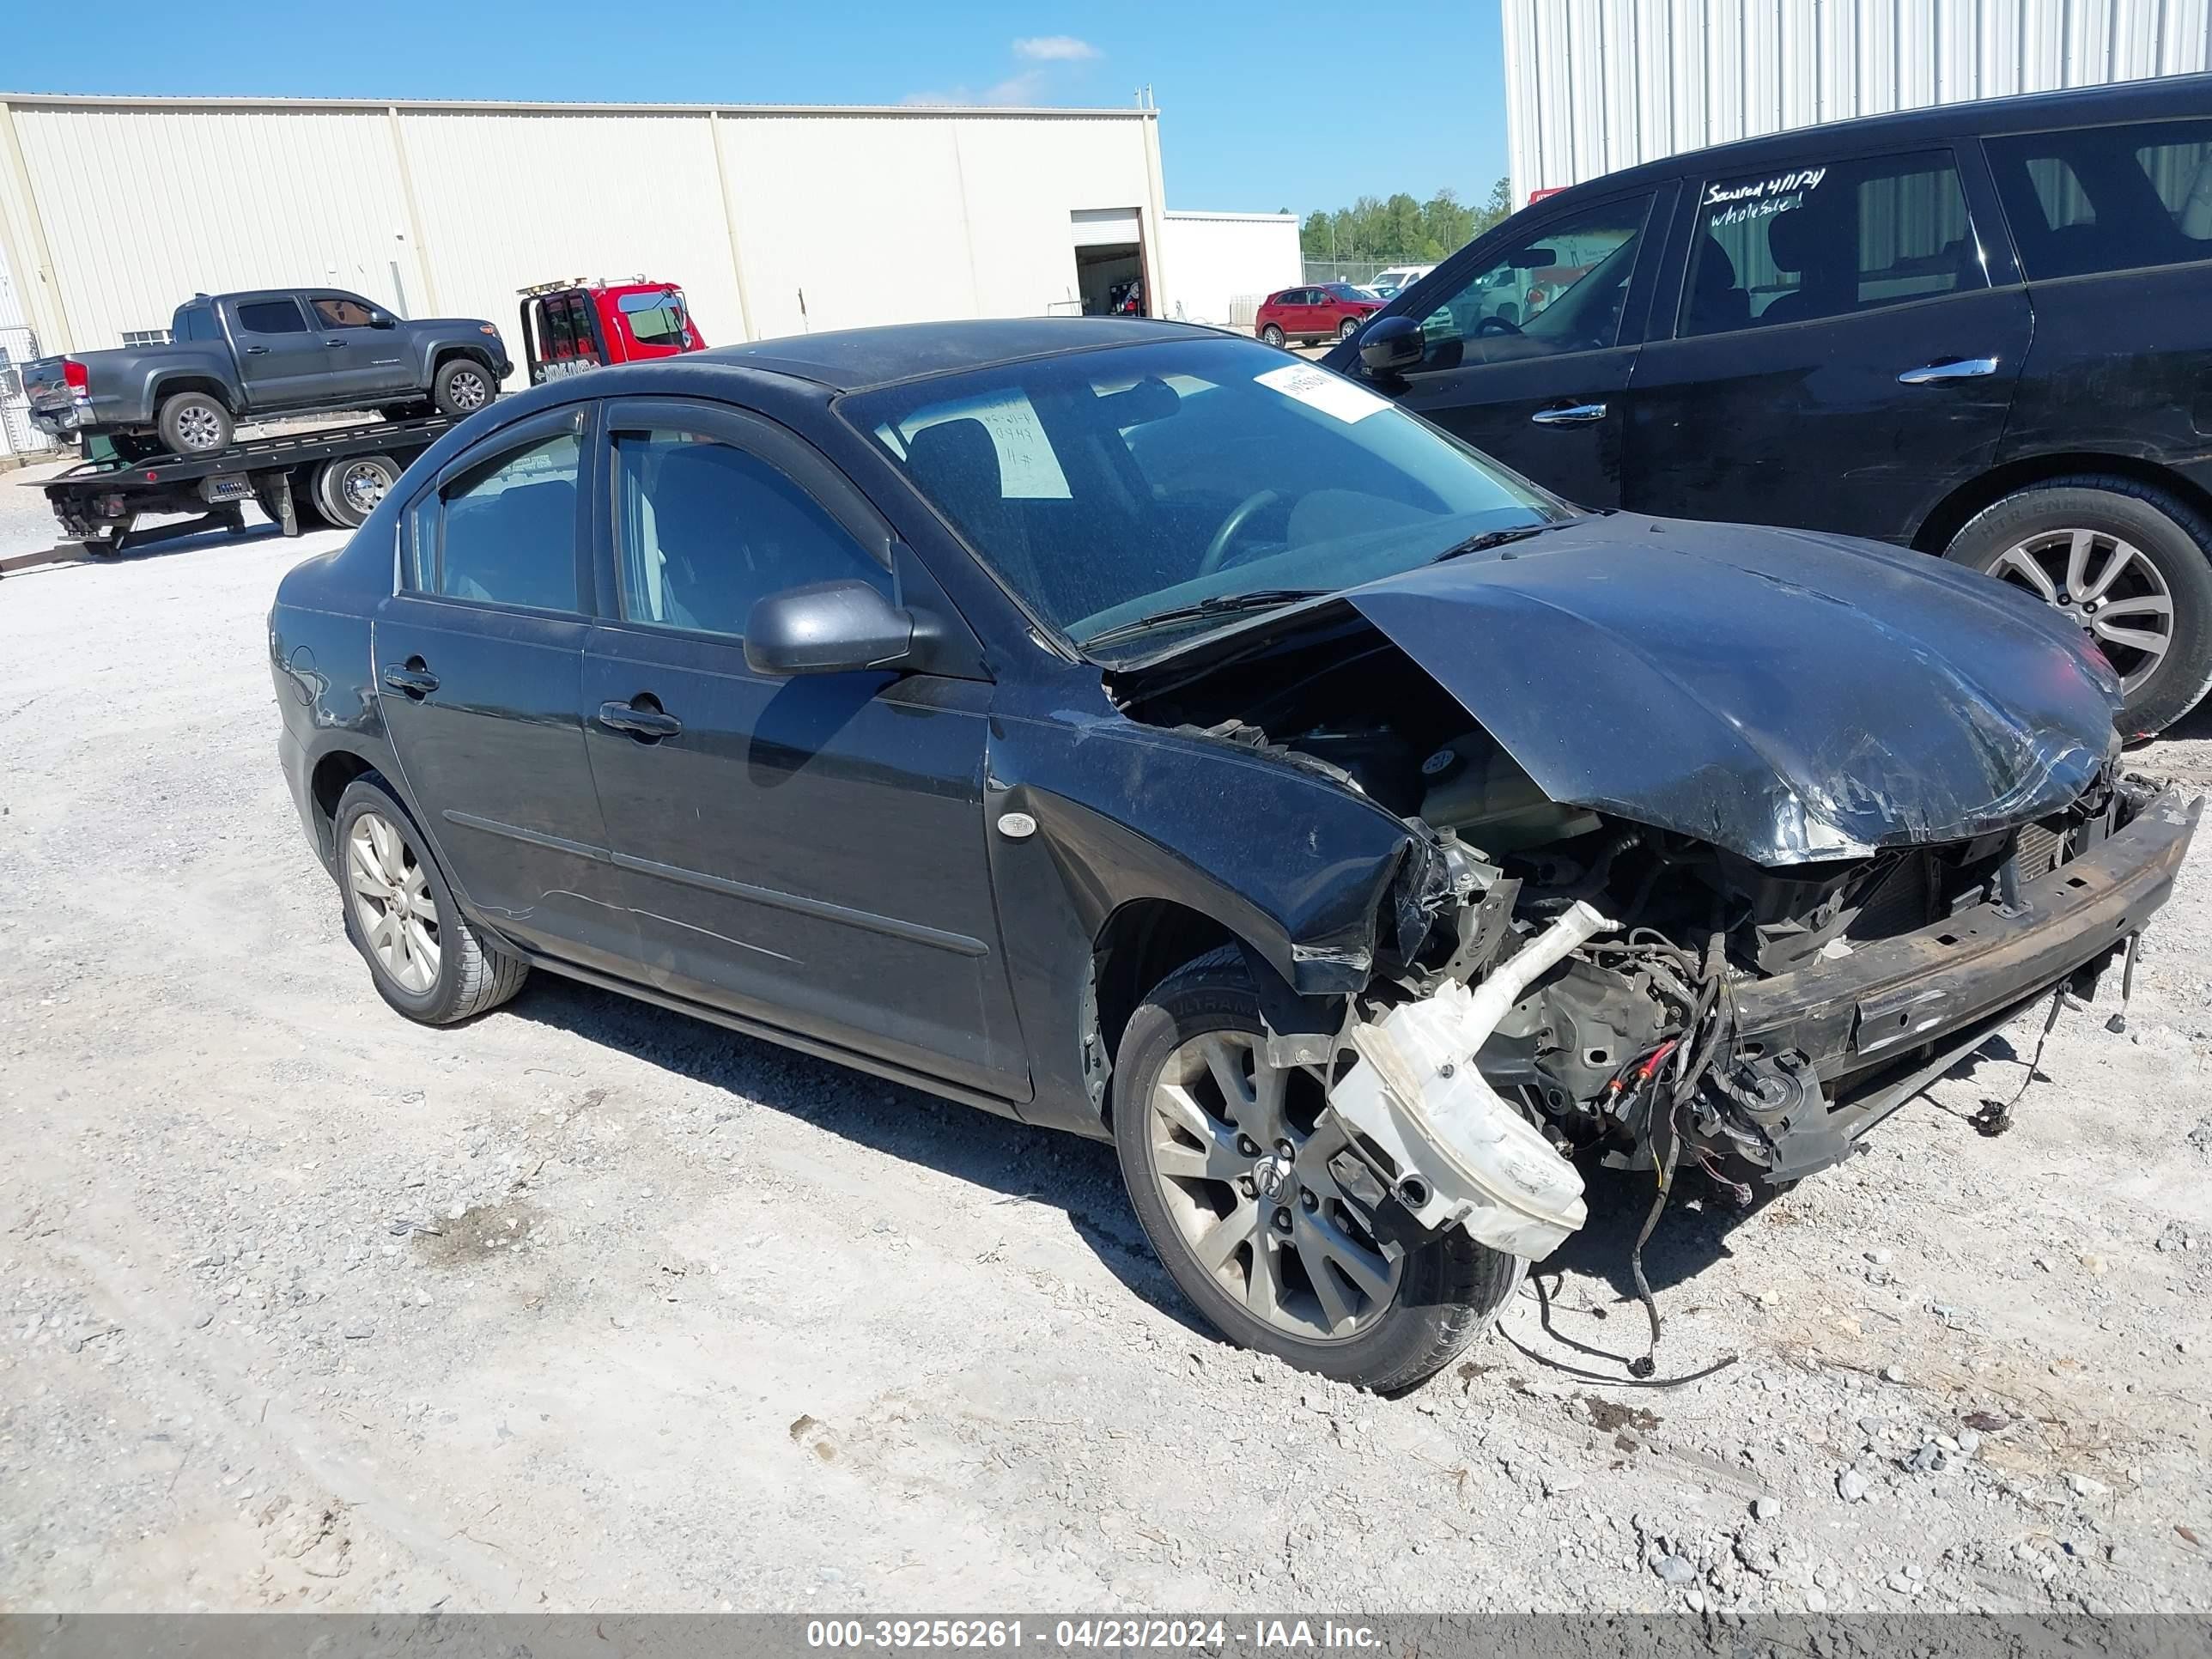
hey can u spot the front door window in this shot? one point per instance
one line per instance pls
(1562, 289)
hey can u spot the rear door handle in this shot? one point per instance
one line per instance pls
(648, 723)
(257, 351)
(334, 342)
(1570, 415)
(1948, 368)
(415, 679)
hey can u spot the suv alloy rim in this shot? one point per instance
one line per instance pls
(392, 903)
(1241, 1152)
(467, 389)
(2108, 587)
(199, 428)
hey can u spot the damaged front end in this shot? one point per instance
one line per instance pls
(1565, 978)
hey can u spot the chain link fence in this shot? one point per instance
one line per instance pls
(1358, 272)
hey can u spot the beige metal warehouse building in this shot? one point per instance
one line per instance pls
(776, 220)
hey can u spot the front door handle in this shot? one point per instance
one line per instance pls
(1569, 415)
(257, 351)
(414, 679)
(334, 342)
(1948, 368)
(640, 718)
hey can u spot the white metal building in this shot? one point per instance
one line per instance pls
(1224, 264)
(776, 220)
(1596, 85)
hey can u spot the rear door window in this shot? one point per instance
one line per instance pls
(2107, 198)
(1829, 238)
(272, 317)
(504, 531)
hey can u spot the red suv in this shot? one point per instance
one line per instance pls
(1328, 311)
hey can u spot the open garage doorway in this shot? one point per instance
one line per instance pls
(1109, 262)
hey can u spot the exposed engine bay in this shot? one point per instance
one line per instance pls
(1557, 982)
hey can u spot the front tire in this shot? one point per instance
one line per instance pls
(1272, 335)
(193, 423)
(1242, 1180)
(461, 386)
(1348, 328)
(425, 957)
(2126, 562)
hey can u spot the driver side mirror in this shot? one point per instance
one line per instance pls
(828, 628)
(1391, 344)
(379, 318)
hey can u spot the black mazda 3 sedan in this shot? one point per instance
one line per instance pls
(1127, 729)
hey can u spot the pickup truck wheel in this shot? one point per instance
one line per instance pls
(193, 423)
(1244, 1183)
(348, 490)
(463, 386)
(2130, 566)
(425, 958)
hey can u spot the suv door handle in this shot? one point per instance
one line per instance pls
(1570, 415)
(1948, 368)
(415, 679)
(647, 723)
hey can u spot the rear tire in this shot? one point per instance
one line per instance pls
(2141, 558)
(194, 423)
(1272, 335)
(1391, 1329)
(461, 386)
(425, 957)
(346, 490)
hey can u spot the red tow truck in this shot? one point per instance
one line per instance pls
(586, 323)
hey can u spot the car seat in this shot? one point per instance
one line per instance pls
(956, 463)
(1817, 245)
(517, 546)
(1716, 303)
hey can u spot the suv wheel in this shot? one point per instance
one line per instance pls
(425, 958)
(463, 386)
(1349, 327)
(1244, 1183)
(2128, 564)
(1272, 335)
(193, 423)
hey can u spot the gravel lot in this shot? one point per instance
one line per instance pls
(587, 1306)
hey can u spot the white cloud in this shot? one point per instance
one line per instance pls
(1026, 88)
(1055, 49)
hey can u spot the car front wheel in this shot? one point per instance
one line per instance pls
(1350, 327)
(1245, 1184)
(2126, 563)
(426, 959)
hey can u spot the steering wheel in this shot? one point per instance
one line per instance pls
(1496, 325)
(1217, 551)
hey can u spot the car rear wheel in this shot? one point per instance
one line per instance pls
(347, 491)
(193, 423)
(1244, 1181)
(1272, 335)
(463, 386)
(2126, 563)
(1349, 327)
(426, 959)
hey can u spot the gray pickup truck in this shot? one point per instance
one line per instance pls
(279, 351)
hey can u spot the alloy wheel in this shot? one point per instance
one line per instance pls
(2107, 586)
(467, 389)
(1242, 1154)
(392, 903)
(199, 428)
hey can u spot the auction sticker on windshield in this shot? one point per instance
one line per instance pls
(1317, 388)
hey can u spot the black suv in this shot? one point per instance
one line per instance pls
(1981, 332)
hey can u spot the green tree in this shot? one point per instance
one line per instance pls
(1400, 230)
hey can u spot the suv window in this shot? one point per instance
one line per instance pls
(1827, 240)
(341, 311)
(2107, 198)
(1560, 289)
(271, 316)
(505, 532)
(707, 530)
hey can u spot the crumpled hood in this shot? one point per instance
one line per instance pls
(1788, 697)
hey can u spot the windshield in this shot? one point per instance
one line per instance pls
(1347, 291)
(1108, 486)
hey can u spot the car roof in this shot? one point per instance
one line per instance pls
(846, 359)
(2162, 97)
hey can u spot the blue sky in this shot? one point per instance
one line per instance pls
(1257, 112)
